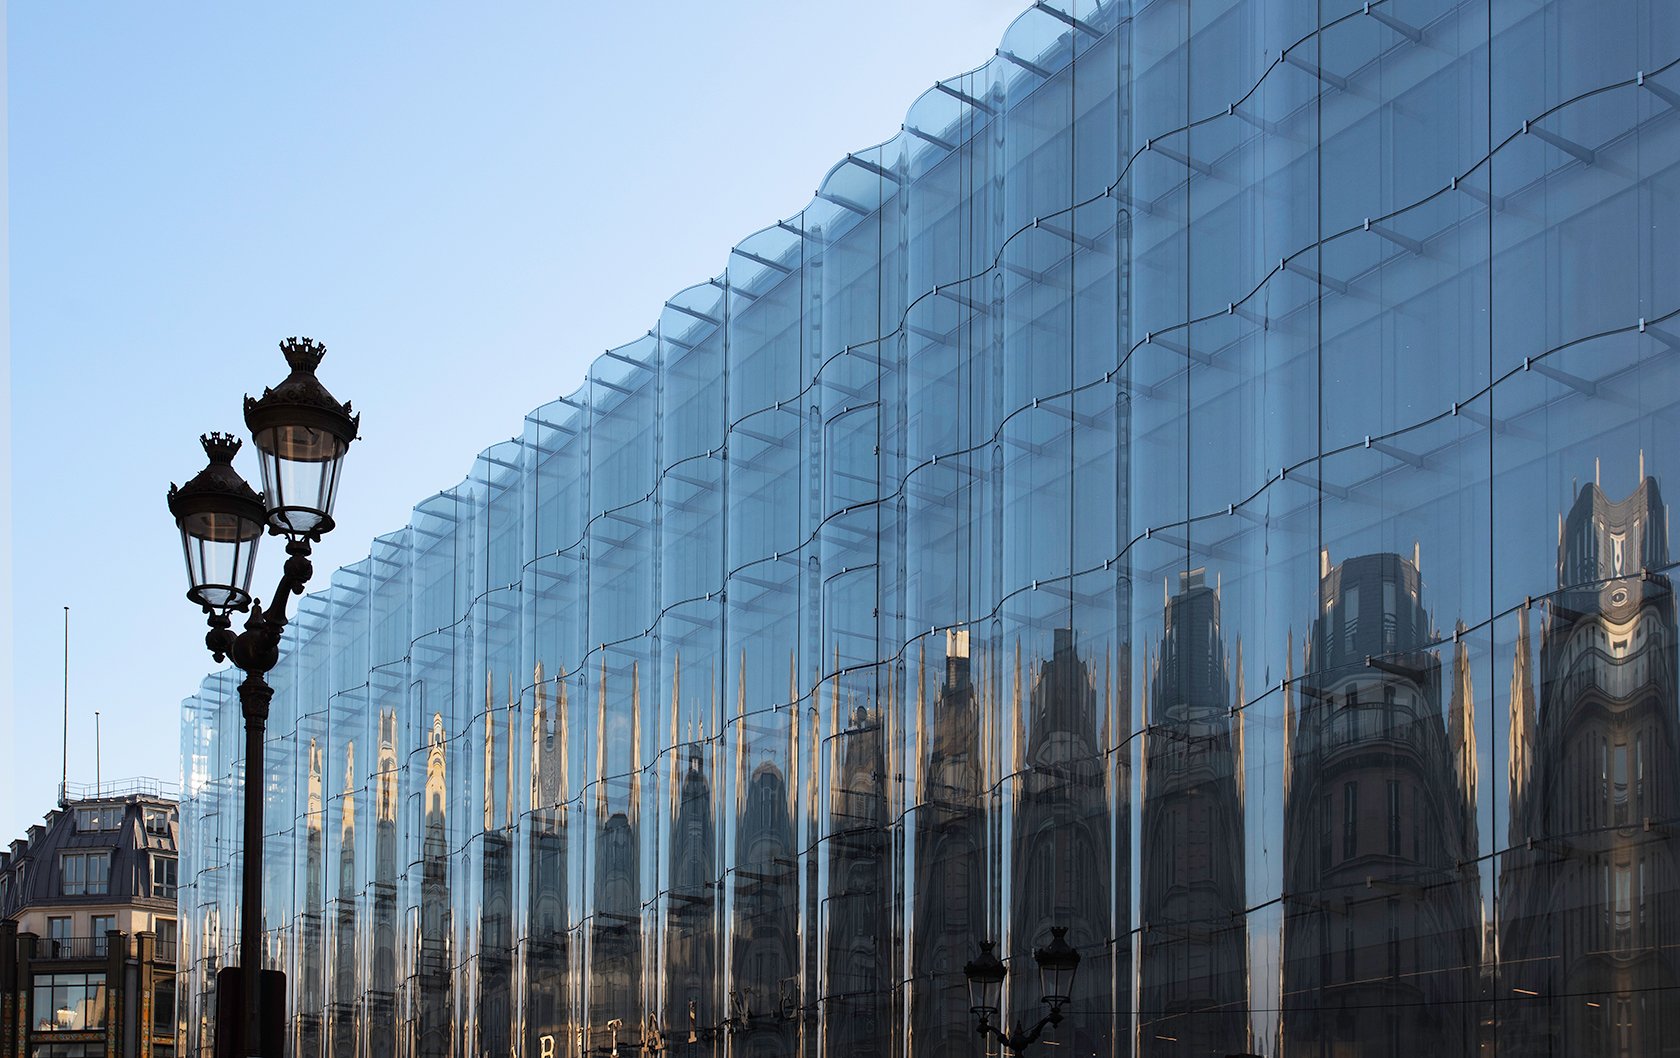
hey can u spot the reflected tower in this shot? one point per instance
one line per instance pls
(1194, 971)
(615, 1007)
(765, 967)
(548, 943)
(346, 950)
(857, 1014)
(1063, 869)
(495, 936)
(691, 923)
(1381, 930)
(312, 972)
(1591, 911)
(381, 1014)
(950, 910)
(436, 992)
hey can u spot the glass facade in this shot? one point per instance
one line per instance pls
(1198, 485)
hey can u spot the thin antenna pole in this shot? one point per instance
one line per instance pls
(64, 776)
(98, 777)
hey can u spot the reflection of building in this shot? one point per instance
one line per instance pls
(435, 994)
(690, 982)
(765, 993)
(859, 985)
(381, 996)
(1194, 970)
(88, 941)
(615, 992)
(950, 909)
(495, 936)
(308, 1041)
(1062, 869)
(1382, 925)
(1591, 906)
(343, 1034)
(548, 937)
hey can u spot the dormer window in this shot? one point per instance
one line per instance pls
(98, 818)
(85, 873)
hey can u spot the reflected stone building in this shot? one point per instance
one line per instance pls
(1062, 865)
(547, 947)
(727, 709)
(859, 916)
(1193, 980)
(1382, 928)
(1591, 885)
(950, 881)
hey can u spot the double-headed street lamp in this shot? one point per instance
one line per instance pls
(1058, 962)
(301, 432)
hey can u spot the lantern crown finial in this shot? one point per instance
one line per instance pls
(220, 447)
(303, 354)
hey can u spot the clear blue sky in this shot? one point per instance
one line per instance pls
(467, 203)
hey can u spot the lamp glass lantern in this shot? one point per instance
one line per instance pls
(985, 975)
(1058, 963)
(301, 432)
(221, 521)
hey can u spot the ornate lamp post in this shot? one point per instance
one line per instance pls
(1057, 961)
(301, 432)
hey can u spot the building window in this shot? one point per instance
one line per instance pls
(69, 1002)
(102, 924)
(1350, 816)
(85, 873)
(158, 820)
(168, 938)
(58, 936)
(163, 876)
(98, 818)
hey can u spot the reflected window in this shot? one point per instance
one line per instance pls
(1390, 613)
(1620, 783)
(1324, 824)
(1393, 817)
(1350, 815)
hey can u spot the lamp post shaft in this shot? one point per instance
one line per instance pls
(254, 696)
(256, 651)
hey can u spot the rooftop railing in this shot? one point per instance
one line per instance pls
(142, 786)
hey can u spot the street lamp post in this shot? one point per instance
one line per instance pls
(301, 432)
(1057, 961)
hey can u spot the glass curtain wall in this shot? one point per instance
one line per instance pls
(1199, 485)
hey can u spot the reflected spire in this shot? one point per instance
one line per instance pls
(507, 775)
(489, 752)
(741, 734)
(347, 813)
(563, 751)
(313, 811)
(601, 744)
(635, 809)
(676, 704)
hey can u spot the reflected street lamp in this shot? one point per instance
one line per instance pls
(1058, 963)
(301, 432)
